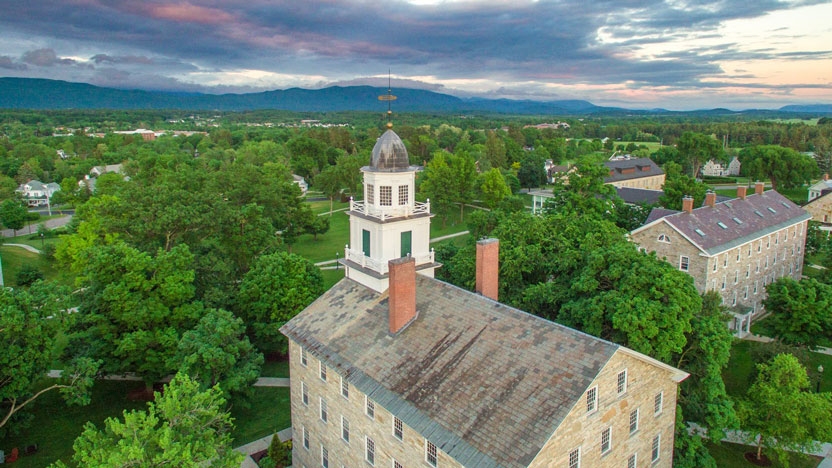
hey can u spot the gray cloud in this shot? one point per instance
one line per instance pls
(9, 64)
(45, 58)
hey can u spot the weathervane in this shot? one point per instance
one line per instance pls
(389, 98)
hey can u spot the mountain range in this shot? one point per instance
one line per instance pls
(32, 93)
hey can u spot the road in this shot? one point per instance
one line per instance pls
(50, 224)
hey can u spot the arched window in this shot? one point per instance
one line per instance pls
(664, 238)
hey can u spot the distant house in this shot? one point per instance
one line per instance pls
(818, 188)
(301, 182)
(89, 180)
(821, 209)
(717, 169)
(36, 193)
(554, 171)
(636, 173)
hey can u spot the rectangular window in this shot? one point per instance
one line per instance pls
(723, 282)
(745, 292)
(322, 368)
(385, 195)
(759, 246)
(404, 199)
(575, 458)
(430, 453)
(365, 242)
(725, 260)
(345, 389)
(758, 266)
(345, 429)
(755, 287)
(606, 440)
(305, 439)
(657, 445)
(398, 428)
(324, 457)
(396, 464)
(406, 242)
(622, 382)
(715, 264)
(370, 196)
(304, 394)
(324, 413)
(591, 399)
(738, 255)
(748, 271)
(632, 461)
(633, 420)
(684, 263)
(736, 277)
(369, 408)
(370, 451)
(658, 401)
(303, 360)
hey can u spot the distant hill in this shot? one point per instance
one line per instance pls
(31, 93)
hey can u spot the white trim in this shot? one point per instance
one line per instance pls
(659, 398)
(343, 426)
(594, 400)
(368, 441)
(608, 433)
(577, 453)
(656, 448)
(428, 445)
(630, 427)
(618, 384)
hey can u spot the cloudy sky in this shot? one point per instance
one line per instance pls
(676, 54)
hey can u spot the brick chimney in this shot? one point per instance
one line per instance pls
(742, 190)
(759, 187)
(687, 204)
(488, 267)
(402, 292)
(710, 198)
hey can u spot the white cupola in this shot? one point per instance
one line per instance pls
(389, 223)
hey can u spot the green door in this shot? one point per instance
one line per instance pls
(365, 242)
(406, 241)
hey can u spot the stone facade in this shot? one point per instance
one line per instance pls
(409, 451)
(821, 209)
(582, 429)
(655, 182)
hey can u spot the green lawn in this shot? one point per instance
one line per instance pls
(55, 425)
(32, 239)
(733, 456)
(323, 206)
(763, 327)
(14, 258)
(332, 276)
(737, 374)
(278, 368)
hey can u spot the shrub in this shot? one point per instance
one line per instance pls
(27, 275)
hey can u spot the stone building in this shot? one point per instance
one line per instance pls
(821, 209)
(640, 173)
(714, 168)
(393, 368)
(735, 248)
(820, 187)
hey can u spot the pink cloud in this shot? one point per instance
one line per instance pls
(187, 13)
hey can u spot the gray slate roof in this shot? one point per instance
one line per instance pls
(389, 154)
(627, 169)
(486, 383)
(636, 195)
(758, 215)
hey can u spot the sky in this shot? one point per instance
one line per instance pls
(640, 54)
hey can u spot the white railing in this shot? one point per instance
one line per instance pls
(389, 212)
(381, 266)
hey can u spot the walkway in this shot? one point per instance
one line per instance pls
(24, 246)
(766, 339)
(49, 223)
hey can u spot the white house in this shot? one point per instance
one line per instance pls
(36, 193)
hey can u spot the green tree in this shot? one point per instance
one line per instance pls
(464, 172)
(31, 322)
(801, 311)
(319, 225)
(784, 167)
(493, 188)
(439, 185)
(216, 352)
(185, 427)
(678, 185)
(779, 413)
(532, 174)
(134, 309)
(12, 215)
(277, 288)
(696, 149)
(329, 182)
(27, 275)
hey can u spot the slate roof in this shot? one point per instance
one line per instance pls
(389, 155)
(743, 220)
(636, 195)
(487, 383)
(628, 169)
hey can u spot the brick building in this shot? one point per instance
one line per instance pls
(735, 247)
(393, 368)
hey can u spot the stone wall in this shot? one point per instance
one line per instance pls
(821, 209)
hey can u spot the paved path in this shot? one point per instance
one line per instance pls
(259, 445)
(325, 213)
(766, 339)
(449, 236)
(272, 382)
(49, 223)
(24, 246)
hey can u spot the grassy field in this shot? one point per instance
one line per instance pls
(737, 374)
(55, 425)
(651, 145)
(733, 456)
(14, 258)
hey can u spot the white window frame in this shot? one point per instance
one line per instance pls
(431, 453)
(324, 457)
(404, 190)
(592, 400)
(304, 394)
(633, 426)
(398, 428)
(303, 358)
(305, 438)
(369, 450)
(656, 448)
(621, 383)
(324, 411)
(658, 403)
(385, 195)
(345, 429)
(684, 263)
(345, 388)
(632, 462)
(396, 464)
(606, 445)
(369, 407)
(370, 194)
(573, 460)
(663, 238)
(322, 370)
